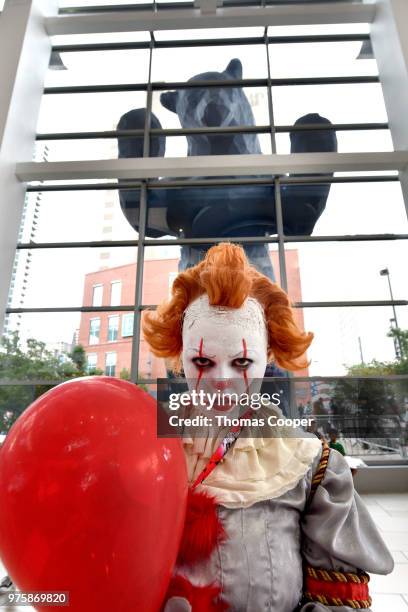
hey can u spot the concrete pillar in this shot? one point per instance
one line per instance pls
(24, 56)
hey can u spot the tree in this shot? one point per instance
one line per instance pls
(78, 356)
(125, 375)
(36, 365)
(401, 338)
(370, 402)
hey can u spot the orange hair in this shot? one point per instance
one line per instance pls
(226, 276)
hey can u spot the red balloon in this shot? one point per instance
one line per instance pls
(92, 502)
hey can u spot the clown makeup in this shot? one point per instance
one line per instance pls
(224, 349)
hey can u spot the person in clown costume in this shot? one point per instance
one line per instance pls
(273, 521)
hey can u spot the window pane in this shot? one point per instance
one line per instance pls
(109, 343)
(356, 141)
(116, 288)
(306, 30)
(74, 272)
(348, 336)
(356, 103)
(82, 112)
(94, 330)
(157, 270)
(292, 60)
(53, 216)
(344, 208)
(349, 271)
(111, 37)
(362, 414)
(209, 33)
(100, 67)
(92, 362)
(60, 333)
(110, 364)
(341, 336)
(97, 295)
(127, 324)
(181, 64)
(113, 327)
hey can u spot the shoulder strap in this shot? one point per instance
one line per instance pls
(319, 473)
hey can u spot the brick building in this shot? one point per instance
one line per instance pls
(107, 336)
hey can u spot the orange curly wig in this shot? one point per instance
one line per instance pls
(228, 279)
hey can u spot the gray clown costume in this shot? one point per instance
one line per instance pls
(275, 527)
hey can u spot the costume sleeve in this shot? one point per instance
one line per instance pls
(338, 531)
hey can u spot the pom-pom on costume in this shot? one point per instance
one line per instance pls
(273, 522)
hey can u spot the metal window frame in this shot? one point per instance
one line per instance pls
(177, 85)
(234, 14)
(209, 42)
(156, 5)
(239, 129)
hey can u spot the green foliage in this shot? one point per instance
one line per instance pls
(124, 374)
(34, 363)
(385, 368)
(377, 403)
(78, 356)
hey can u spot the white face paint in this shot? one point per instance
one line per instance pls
(224, 349)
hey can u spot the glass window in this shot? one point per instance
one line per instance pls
(91, 361)
(324, 59)
(97, 295)
(89, 268)
(110, 364)
(345, 271)
(345, 337)
(86, 111)
(116, 287)
(94, 329)
(97, 68)
(350, 103)
(113, 326)
(127, 324)
(180, 64)
(344, 208)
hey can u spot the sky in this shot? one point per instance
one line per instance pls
(329, 270)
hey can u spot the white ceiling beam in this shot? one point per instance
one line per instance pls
(137, 21)
(212, 165)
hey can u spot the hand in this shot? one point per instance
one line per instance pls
(177, 604)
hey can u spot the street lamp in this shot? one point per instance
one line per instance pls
(397, 343)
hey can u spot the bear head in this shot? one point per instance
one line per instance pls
(200, 107)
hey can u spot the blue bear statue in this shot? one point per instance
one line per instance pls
(227, 210)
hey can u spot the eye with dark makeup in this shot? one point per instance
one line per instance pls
(203, 362)
(241, 363)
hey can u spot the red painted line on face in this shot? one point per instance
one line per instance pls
(244, 372)
(200, 372)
